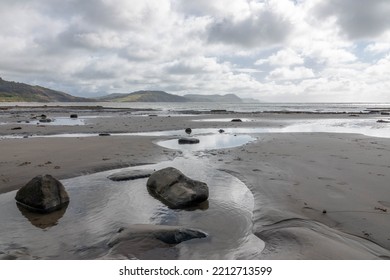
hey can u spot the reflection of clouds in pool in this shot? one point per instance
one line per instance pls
(208, 142)
(367, 127)
(99, 206)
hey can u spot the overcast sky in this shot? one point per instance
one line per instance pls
(272, 50)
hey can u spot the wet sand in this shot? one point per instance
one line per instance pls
(316, 195)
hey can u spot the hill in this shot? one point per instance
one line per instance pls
(20, 92)
(227, 98)
(162, 96)
(144, 96)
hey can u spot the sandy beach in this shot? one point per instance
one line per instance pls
(316, 195)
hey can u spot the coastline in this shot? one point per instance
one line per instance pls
(317, 195)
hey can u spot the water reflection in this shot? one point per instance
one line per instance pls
(99, 206)
(209, 142)
(43, 221)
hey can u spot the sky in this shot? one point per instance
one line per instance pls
(271, 50)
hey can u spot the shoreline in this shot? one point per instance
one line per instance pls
(310, 189)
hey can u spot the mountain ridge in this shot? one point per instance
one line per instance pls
(20, 92)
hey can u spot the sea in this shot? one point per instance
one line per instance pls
(168, 107)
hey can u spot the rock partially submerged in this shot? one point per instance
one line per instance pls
(175, 189)
(74, 116)
(188, 141)
(130, 175)
(42, 194)
(236, 120)
(165, 234)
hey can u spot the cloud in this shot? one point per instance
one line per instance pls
(285, 57)
(270, 49)
(296, 73)
(357, 18)
(263, 27)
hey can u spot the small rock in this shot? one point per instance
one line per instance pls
(324, 211)
(16, 128)
(382, 121)
(221, 131)
(188, 141)
(104, 134)
(45, 120)
(188, 130)
(130, 175)
(236, 120)
(74, 116)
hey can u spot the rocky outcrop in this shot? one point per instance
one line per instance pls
(165, 234)
(43, 194)
(130, 175)
(175, 189)
(183, 141)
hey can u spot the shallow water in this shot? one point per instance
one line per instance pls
(366, 126)
(99, 207)
(209, 142)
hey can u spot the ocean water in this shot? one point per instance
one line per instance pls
(167, 107)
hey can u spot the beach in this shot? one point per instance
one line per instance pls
(316, 195)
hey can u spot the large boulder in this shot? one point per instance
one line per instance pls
(175, 189)
(43, 194)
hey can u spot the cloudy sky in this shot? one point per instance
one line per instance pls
(272, 50)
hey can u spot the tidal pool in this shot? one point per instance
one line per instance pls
(99, 207)
(209, 142)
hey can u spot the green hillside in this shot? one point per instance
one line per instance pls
(20, 92)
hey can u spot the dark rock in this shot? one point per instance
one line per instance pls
(104, 134)
(45, 120)
(188, 141)
(221, 131)
(188, 130)
(385, 113)
(16, 128)
(382, 121)
(165, 234)
(236, 120)
(43, 194)
(74, 116)
(130, 175)
(218, 111)
(175, 189)
(43, 116)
